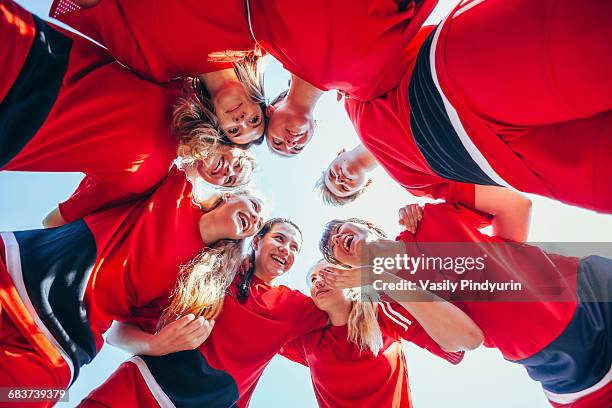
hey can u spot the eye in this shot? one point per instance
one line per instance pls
(295, 248)
(276, 142)
(255, 120)
(232, 131)
(256, 206)
(230, 181)
(345, 189)
(238, 164)
(298, 149)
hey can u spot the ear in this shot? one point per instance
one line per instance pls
(255, 243)
(368, 183)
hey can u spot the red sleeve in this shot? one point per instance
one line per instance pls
(294, 351)
(91, 196)
(396, 318)
(452, 192)
(307, 316)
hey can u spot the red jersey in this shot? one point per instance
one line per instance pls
(359, 47)
(164, 39)
(383, 125)
(141, 247)
(344, 376)
(228, 364)
(516, 338)
(108, 124)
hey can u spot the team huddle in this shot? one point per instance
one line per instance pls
(155, 101)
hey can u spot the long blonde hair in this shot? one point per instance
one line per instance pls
(203, 280)
(194, 117)
(363, 327)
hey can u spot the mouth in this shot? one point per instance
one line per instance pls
(234, 108)
(347, 242)
(322, 291)
(295, 133)
(280, 261)
(244, 221)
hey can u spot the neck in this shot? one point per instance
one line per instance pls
(209, 228)
(363, 158)
(216, 80)
(266, 278)
(339, 316)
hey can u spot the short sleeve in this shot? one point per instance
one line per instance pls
(307, 316)
(89, 197)
(294, 351)
(396, 318)
(452, 192)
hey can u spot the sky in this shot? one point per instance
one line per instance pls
(483, 379)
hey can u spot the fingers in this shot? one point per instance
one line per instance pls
(182, 322)
(410, 216)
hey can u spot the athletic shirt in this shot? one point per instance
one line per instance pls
(141, 247)
(502, 322)
(247, 336)
(344, 376)
(383, 125)
(165, 39)
(358, 47)
(108, 124)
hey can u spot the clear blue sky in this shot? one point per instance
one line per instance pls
(484, 379)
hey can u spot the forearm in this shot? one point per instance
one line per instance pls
(53, 219)
(511, 211)
(130, 338)
(445, 323)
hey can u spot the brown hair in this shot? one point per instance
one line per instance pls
(247, 276)
(324, 246)
(194, 115)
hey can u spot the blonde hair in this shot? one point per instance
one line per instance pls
(203, 280)
(363, 327)
(194, 117)
(330, 198)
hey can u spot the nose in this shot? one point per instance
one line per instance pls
(335, 239)
(319, 283)
(228, 169)
(290, 141)
(239, 116)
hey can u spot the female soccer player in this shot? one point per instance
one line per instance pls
(62, 287)
(564, 343)
(72, 108)
(257, 319)
(353, 54)
(358, 358)
(487, 104)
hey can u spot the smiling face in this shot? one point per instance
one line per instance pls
(289, 129)
(240, 216)
(346, 241)
(324, 296)
(240, 119)
(275, 252)
(227, 167)
(343, 177)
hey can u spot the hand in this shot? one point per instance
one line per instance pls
(410, 216)
(186, 333)
(341, 278)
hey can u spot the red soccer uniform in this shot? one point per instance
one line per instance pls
(475, 99)
(384, 130)
(358, 47)
(226, 368)
(343, 45)
(123, 262)
(556, 325)
(344, 376)
(98, 118)
(165, 39)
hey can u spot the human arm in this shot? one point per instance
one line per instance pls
(54, 219)
(511, 211)
(186, 333)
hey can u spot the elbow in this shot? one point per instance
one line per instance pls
(473, 338)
